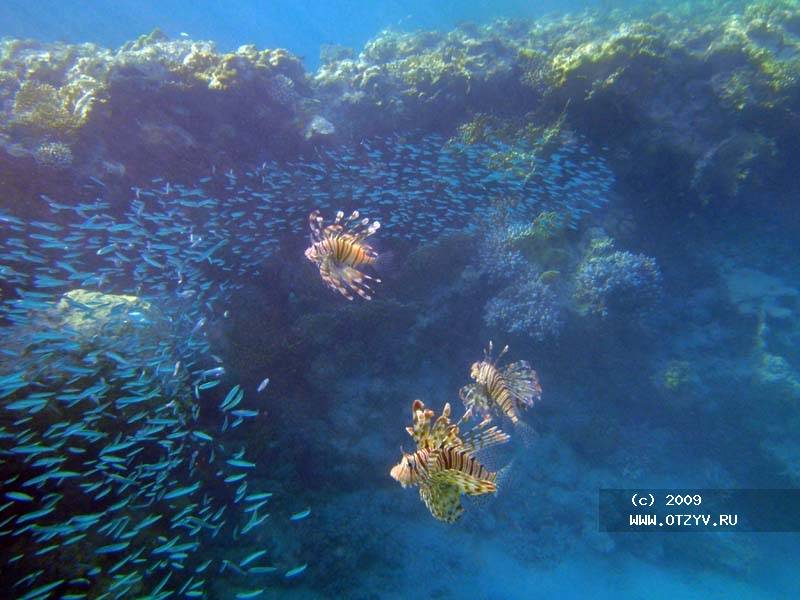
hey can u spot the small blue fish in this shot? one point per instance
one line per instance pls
(110, 548)
(183, 491)
(252, 557)
(261, 570)
(32, 516)
(200, 435)
(250, 594)
(198, 326)
(258, 497)
(20, 496)
(300, 515)
(296, 571)
(242, 413)
(232, 398)
(41, 590)
(152, 262)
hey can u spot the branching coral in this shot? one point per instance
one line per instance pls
(615, 282)
(529, 306)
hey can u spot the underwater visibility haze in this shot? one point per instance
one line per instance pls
(399, 300)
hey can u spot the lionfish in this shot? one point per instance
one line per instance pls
(509, 389)
(339, 250)
(444, 465)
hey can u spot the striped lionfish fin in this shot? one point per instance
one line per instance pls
(343, 279)
(315, 221)
(330, 275)
(523, 383)
(356, 280)
(474, 398)
(355, 228)
(318, 232)
(443, 500)
(463, 483)
(478, 438)
(459, 468)
(442, 433)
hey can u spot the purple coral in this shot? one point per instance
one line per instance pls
(617, 282)
(528, 306)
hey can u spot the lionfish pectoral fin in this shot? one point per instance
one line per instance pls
(523, 383)
(356, 280)
(332, 279)
(478, 438)
(474, 399)
(466, 392)
(460, 468)
(444, 501)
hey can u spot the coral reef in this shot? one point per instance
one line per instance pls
(56, 155)
(163, 94)
(768, 306)
(543, 128)
(676, 376)
(703, 95)
(530, 307)
(418, 78)
(666, 85)
(614, 282)
(89, 313)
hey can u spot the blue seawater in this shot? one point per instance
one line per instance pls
(247, 248)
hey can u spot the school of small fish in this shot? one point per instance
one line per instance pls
(118, 459)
